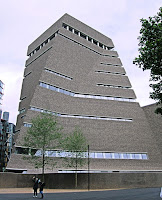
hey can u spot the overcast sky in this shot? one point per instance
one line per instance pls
(22, 21)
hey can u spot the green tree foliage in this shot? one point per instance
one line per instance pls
(44, 134)
(150, 54)
(76, 147)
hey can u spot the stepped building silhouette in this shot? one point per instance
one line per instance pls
(74, 72)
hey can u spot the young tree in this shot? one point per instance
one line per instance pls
(150, 54)
(75, 146)
(43, 135)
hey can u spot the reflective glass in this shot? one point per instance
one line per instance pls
(138, 156)
(92, 155)
(144, 156)
(61, 154)
(38, 153)
(52, 153)
(124, 156)
(129, 156)
(100, 155)
(108, 155)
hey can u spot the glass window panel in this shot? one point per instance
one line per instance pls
(99, 155)
(72, 94)
(108, 155)
(51, 87)
(111, 98)
(68, 93)
(85, 154)
(70, 154)
(52, 153)
(37, 109)
(123, 155)
(43, 85)
(81, 95)
(144, 156)
(56, 89)
(61, 153)
(129, 156)
(61, 90)
(116, 155)
(38, 153)
(138, 156)
(92, 155)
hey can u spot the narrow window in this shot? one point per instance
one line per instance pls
(37, 48)
(46, 42)
(70, 29)
(108, 155)
(95, 42)
(89, 39)
(64, 26)
(100, 45)
(100, 155)
(52, 36)
(82, 35)
(76, 32)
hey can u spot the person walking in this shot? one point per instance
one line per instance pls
(161, 192)
(35, 186)
(42, 184)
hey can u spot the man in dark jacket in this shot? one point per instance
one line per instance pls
(35, 186)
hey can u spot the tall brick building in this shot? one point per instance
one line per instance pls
(73, 71)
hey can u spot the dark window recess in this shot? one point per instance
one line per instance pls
(52, 36)
(101, 45)
(109, 48)
(89, 39)
(70, 29)
(20, 150)
(95, 42)
(37, 48)
(82, 35)
(76, 32)
(64, 26)
(46, 42)
(33, 151)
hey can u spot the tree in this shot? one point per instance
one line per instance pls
(43, 135)
(150, 54)
(75, 146)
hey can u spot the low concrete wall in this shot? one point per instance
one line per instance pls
(97, 181)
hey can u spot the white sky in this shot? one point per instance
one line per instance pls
(22, 21)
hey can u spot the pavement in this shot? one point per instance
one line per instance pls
(54, 194)
(30, 190)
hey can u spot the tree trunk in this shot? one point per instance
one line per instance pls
(43, 166)
(76, 177)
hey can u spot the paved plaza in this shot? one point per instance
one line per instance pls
(125, 194)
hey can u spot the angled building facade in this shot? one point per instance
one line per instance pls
(73, 71)
(1, 91)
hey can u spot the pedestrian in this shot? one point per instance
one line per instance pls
(35, 186)
(161, 193)
(42, 184)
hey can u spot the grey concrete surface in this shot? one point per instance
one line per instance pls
(131, 194)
